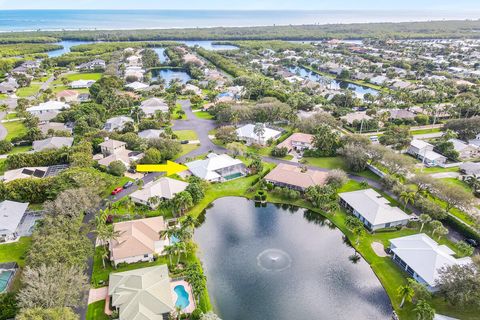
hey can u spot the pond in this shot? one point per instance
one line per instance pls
(161, 54)
(67, 44)
(170, 74)
(331, 82)
(283, 263)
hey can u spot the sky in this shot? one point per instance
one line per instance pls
(455, 5)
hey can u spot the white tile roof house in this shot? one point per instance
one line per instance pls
(372, 209)
(217, 168)
(422, 257)
(163, 188)
(11, 214)
(248, 134)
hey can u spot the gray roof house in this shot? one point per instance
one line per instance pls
(142, 294)
(372, 209)
(150, 133)
(163, 188)
(151, 106)
(424, 151)
(470, 168)
(11, 214)
(217, 168)
(116, 123)
(52, 143)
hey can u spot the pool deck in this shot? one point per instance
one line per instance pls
(188, 288)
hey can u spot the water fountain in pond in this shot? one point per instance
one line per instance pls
(274, 260)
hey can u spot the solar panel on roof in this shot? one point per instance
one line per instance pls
(27, 172)
(39, 173)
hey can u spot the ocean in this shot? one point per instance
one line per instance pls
(28, 20)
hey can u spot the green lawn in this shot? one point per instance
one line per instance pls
(187, 148)
(10, 116)
(265, 151)
(83, 76)
(176, 115)
(3, 96)
(425, 131)
(95, 311)
(28, 91)
(438, 169)
(14, 129)
(457, 182)
(3, 165)
(327, 163)
(20, 149)
(186, 134)
(203, 115)
(15, 251)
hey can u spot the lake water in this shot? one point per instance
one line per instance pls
(208, 45)
(67, 44)
(332, 83)
(161, 54)
(170, 74)
(18, 20)
(273, 263)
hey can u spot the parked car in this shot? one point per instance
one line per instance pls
(116, 190)
(472, 242)
(414, 218)
(184, 142)
(128, 185)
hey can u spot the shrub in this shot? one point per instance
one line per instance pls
(279, 152)
(5, 147)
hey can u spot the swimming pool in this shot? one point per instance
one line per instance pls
(183, 300)
(173, 239)
(233, 176)
(5, 276)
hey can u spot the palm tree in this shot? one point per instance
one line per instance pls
(154, 201)
(436, 225)
(179, 248)
(104, 254)
(407, 197)
(170, 251)
(424, 311)
(406, 293)
(424, 218)
(355, 226)
(441, 231)
(182, 201)
(140, 183)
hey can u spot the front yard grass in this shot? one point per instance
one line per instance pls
(327, 163)
(186, 135)
(84, 76)
(96, 311)
(29, 91)
(14, 129)
(15, 251)
(425, 131)
(187, 148)
(203, 115)
(20, 149)
(437, 170)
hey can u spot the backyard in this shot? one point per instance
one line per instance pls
(14, 129)
(15, 251)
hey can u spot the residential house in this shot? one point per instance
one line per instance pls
(11, 215)
(475, 141)
(400, 84)
(151, 106)
(422, 258)
(161, 189)
(92, 65)
(470, 169)
(400, 114)
(136, 86)
(55, 126)
(424, 151)
(465, 151)
(52, 143)
(379, 80)
(372, 209)
(117, 123)
(356, 116)
(138, 240)
(49, 108)
(191, 88)
(114, 150)
(217, 168)
(142, 294)
(24, 173)
(9, 86)
(68, 96)
(298, 142)
(247, 133)
(150, 133)
(289, 176)
(81, 84)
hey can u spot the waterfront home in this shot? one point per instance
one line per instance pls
(293, 177)
(81, 84)
(52, 143)
(247, 133)
(422, 258)
(217, 168)
(424, 151)
(68, 96)
(372, 209)
(114, 150)
(136, 86)
(117, 123)
(465, 150)
(150, 133)
(161, 189)
(138, 240)
(46, 107)
(355, 116)
(11, 215)
(142, 294)
(92, 65)
(379, 80)
(298, 142)
(151, 106)
(192, 88)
